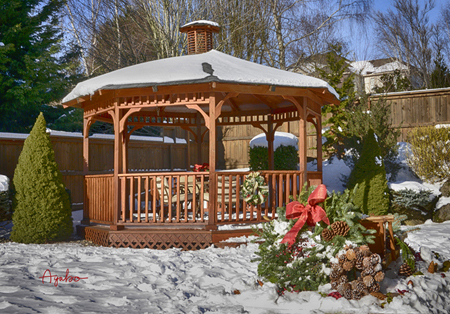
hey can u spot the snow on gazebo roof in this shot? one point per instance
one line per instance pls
(212, 66)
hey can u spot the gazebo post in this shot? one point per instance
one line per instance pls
(86, 127)
(319, 143)
(302, 142)
(212, 214)
(118, 139)
(270, 136)
(199, 138)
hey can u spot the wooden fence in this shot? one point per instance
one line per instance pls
(143, 156)
(418, 108)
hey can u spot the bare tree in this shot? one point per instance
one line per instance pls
(444, 28)
(405, 34)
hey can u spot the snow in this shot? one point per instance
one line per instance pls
(280, 138)
(165, 139)
(366, 67)
(189, 69)
(212, 280)
(201, 22)
(4, 183)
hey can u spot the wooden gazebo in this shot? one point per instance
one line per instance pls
(198, 93)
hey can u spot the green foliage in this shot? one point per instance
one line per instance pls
(337, 116)
(440, 77)
(411, 199)
(42, 211)
(369, 173)
(429, 156)
(301, 266)
(285, 158)
(33, 70)
(5, 206)
(341, 207)
(258, 158)
(376, 116)
(393, 82)
(407, 255)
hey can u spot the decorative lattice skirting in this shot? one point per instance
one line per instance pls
(186, 240)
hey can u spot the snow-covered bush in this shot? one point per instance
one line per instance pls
(429, 156)
(5, 200)
(42, 211)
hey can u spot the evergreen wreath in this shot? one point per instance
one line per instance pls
(253, 190)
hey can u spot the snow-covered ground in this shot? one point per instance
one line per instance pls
(207, 281)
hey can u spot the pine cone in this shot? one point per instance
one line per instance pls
(358, 286)
(379, 276)
(340, 228)
(356, 295)
(367, 262)
(337, 267)
(405, 270)
(334, 275)
(359, 261)
(378, 295)
(327, 234)
(347, 266)
(334, 285)
(368, 271)
(348, 294)
(375, 258)
(350, 254)
(344, 287)
(365, 251)
(368, 281)
(374, 288)
(432, 268)
(343, 279)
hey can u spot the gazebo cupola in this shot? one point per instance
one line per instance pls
(200, 36)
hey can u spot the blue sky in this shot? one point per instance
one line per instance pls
(362, 40)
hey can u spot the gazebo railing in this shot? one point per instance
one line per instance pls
(282, 184)
(174, 198)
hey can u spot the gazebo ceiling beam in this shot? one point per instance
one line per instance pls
(203, 113)
(270, 104)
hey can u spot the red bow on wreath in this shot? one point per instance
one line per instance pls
(310, 213)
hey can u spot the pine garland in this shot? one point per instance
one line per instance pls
(304, 266)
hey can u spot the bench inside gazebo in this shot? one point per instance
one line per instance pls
(198, 92)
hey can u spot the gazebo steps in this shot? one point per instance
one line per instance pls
(161, 239)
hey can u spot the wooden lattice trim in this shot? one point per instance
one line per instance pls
(160, 241)
(96, 235)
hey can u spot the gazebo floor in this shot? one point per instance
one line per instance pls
(160, 239)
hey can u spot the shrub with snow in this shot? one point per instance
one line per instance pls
(42, 211)
(430, 154)
(5, 201)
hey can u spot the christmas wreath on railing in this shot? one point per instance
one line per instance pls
(253, 190)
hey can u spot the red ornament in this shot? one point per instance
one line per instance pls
(335, 295)
(311, 213)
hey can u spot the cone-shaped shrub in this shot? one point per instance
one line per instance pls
(41, 204)
(372, 195)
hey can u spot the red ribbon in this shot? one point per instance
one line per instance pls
(311, 213)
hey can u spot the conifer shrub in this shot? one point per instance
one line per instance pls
(285, 158)
(41, 205)
(429, 155)
(369, 173)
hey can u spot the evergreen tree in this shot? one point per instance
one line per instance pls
(440, 77)
(376, 116)
(372, 195)
(336, 116)
(32, 73)
(41, 205)
(393, 82)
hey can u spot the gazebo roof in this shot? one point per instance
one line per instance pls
(212, 66)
